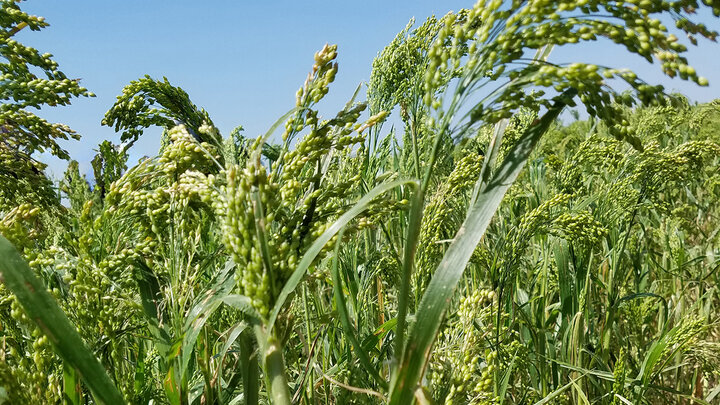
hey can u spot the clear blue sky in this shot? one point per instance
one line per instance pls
(243, 61)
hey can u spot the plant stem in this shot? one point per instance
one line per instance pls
(274, 366)
(413, 233)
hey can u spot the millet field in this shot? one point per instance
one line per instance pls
(477, 225)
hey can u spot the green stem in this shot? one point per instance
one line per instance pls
(203, 360)
(411, 240)
(277, 385)
(413, 234)
(249, 371)
(345, 321)
(416, 154)
(273, 366)
(308, 335)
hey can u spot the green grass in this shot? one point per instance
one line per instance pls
(472, 249)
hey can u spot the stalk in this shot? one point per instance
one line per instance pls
(273, 366)
(413, 233)
(277, 385)
(308, 335)
(249, 370)
(203, 360)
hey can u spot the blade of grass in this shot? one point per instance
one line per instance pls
(348, 328)
(442, 286)
(581, 395)
(408, 261)
(558, 391)
(244, 305)
(41, 307)
(249, 368)
(202, 311)
(317, 246)
(140, 374)
(149, 289)
(71, 385)
(506, 376)
(232, 335)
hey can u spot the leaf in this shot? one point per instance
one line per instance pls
(623, 399)
(317, 246)
(272, 129)
(141, 382)
(149, 289)
(630, 297)
(244, 305)
(713, 394)
(581, 394)
(249, 368)
(370, 341)
(506, 376)
(172, 391)
(603, 375)
(201, 312)
(41, 307)
(661, 351)
(440, 290)
(562, 260)
(558, 391)
(348, 328)
(71, 385)
(232, 335)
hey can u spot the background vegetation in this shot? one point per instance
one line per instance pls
(474, 249)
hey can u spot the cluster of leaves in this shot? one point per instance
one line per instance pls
(348, 265)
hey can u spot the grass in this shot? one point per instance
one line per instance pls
(479, 251)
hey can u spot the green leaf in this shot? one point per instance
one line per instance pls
(565, 279)
(201, 312)
(506, 376)
(440, 290)
(244, 305)
(232, 335)
(72, 393)
(141, 382)
(317, 246)
(347, 326)
(149, 289)
(558, 391)
(41, 307)
(371, 341)
(250, 369)
(172, 391)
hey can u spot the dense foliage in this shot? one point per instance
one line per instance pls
(479, 250)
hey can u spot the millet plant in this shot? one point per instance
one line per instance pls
(478, 251)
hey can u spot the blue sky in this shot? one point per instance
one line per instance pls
(243, 61)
